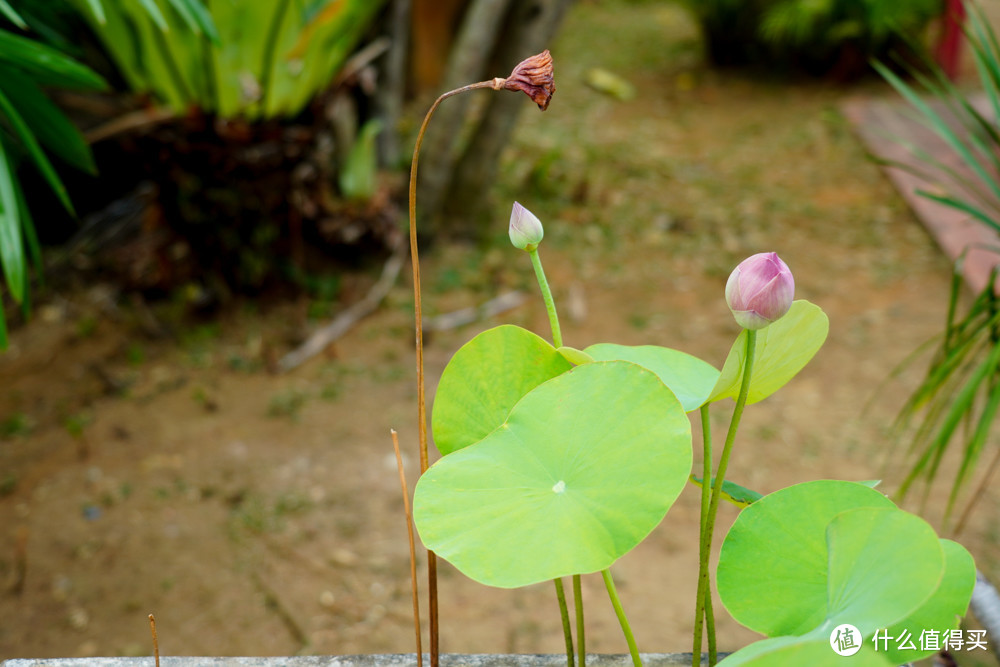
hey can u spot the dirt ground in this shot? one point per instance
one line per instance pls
(260, 514)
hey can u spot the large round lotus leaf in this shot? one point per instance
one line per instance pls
(812, 651)
(484, 380)
(782, 350)
(943, 611)
(585, 466)
(884, 565)
(772, 573)
(690, 378)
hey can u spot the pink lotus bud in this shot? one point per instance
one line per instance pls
(525, 229)
(760, 290)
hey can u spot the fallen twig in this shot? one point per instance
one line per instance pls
(456, 318)
(342, 323)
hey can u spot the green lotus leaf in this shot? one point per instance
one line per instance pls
(575, 356)
(732, 492)
(782, 350)
(943, 611)
(812, 650)
(884, 564)
(773, 567)
(585, 466)
(484, 380)
(690, 378)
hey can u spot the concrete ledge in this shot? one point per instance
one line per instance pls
(374, 660)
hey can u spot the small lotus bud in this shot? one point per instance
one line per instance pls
(534, 77)
(525, 229)
(760, 290)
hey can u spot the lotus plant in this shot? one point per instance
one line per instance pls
(556, 461)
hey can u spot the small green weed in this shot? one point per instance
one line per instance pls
(17, 424)
(287, 403)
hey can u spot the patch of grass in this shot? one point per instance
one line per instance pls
(243, 363)
(199, 340)
(75, 424)
(255, 514)
(135, 354)
(639, 321)
(330, 391)
(204, 399)
(86, 326)
(287, 404)
(17, 424)
(251, 515)
(8, 484)
(291, 502)
(447, 280)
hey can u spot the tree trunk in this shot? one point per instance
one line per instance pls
(529, 30)
(466, 64)
(389, 96)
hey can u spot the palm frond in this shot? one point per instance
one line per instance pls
(12, 15)
(959, 398)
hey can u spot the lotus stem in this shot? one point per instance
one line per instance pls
(581, 636)
(633, 650)
(550, 304)
(704, 577)
(564, 614)
(701, 602)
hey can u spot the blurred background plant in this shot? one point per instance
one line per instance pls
(830, 37)
(32, 127)
(240, 145)
(956, 404)
(37, 53)
(264, 59)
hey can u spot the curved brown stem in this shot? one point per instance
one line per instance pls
(495, 84)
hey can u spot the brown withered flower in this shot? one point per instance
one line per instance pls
(534, 77)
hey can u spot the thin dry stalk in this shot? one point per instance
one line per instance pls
(418, 312)
(413, 546)
(156, 643)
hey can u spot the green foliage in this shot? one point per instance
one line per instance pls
(825, 24)
(17, 424)
(484, 380)
(815, 652)
(958, 399)
(803, 560)
(251, 59)
(816, 34)
(358, 175)
(690, 378)
(944, 608)
(558, 461)
(732, 492)
(32, 128)
(265, 58)
(583, 468)
(783, 349)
